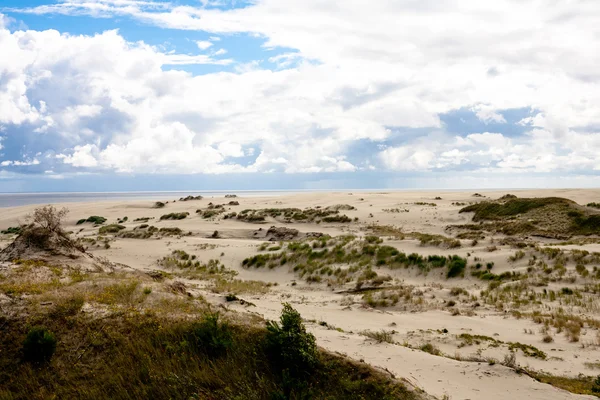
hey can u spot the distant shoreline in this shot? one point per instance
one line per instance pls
(22, 199)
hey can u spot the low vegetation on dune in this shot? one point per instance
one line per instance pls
(212, 211)
(425, 239)
(13, 230)
(346, 258)
(147, 336)
(190, 198)
(61, 352)
(289, 215)
(43, 235)
(94, 219)
(113, 228)
(175, 216)
(548, 217)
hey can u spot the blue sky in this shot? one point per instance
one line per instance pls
(221, 94)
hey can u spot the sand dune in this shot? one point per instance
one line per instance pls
(339, 320)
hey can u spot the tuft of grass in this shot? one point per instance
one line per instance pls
(381, 336)
(94, 219)
(431, 349)
(514, 206)
(112, 228)
(175, 216)
(13, 230)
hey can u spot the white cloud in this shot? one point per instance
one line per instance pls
(488, 114)
(18, 163)
(203, 44)
(354, 74)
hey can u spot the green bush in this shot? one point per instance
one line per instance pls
(13, 230)
(292, 349)
(180, 215)
(39, 345)
(210, 336)
(456, 267)
(95, 219)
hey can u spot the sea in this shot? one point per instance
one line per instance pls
(22, 199)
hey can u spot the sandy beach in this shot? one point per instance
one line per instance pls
(449, 336)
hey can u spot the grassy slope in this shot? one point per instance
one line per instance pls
(549, 216)
(132, 356)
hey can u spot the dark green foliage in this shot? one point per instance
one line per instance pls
(159, 204)
(596, 385)
(13, 230)
(231, 297)
(456, 267)
(175, 216)
(94, 219)
(490, 211)
(39, 345)
(566, 291)
(190, 197)
(147, 356)
(594, 205)
(168, 231)
(210, 336)
(291, 348)
(294, 215)
(589, 225)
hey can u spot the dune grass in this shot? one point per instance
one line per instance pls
(134, 356)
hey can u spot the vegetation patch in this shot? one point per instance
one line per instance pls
(340, 260)
(289, 215)
(94, 219)
(13, 230)
(553, 217)
(190, 198)
(175, 216)
(112, 228)
(137, 355)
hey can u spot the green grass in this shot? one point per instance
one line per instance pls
(493, 210)
(13, 230)
(112, 228)
(287, 215)
(143, 356)
(94, 219)
(175, 216)
(321, 259)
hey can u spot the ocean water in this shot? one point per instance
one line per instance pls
(21, 199)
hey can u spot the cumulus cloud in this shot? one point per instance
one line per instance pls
(203, 44)
(354, 74)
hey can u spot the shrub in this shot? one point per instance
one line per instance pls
(159, 204)
(180, 215)
(14, 230)
(112, 228)
(39, 345)
(94, 219)
(596, 386)
(210, 336)
(431, 349)
(291, 348)
(456, 267)
(48, 218)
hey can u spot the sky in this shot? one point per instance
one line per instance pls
(113, 95)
